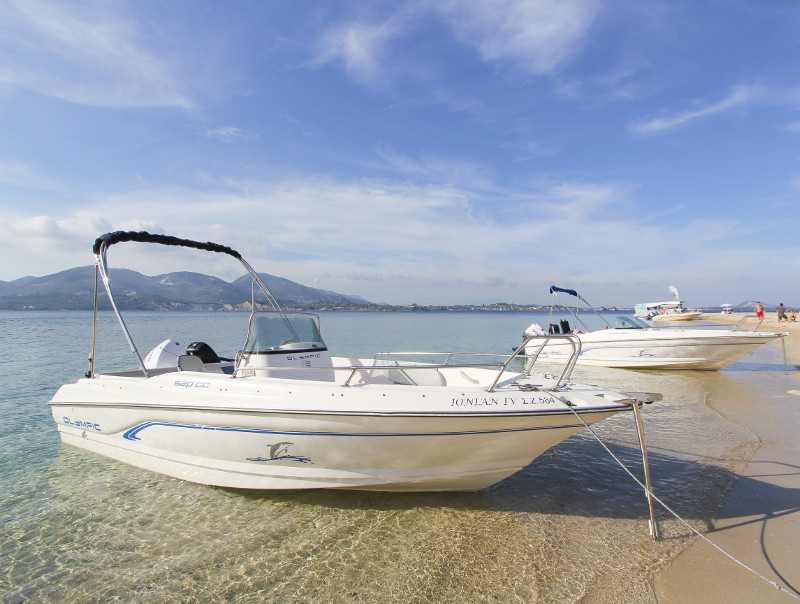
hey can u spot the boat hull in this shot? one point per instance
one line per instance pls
(420, 439)
(667, 349)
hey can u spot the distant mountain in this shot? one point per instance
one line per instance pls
(750, 305)
(294, 292)
(73, 289)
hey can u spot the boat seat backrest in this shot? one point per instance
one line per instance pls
(410, 376)
(188, 362)
(417, 377)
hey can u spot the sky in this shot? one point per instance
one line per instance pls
(415, 151)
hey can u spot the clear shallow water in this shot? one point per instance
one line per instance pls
(78, 527)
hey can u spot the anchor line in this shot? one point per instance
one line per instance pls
(681, 520)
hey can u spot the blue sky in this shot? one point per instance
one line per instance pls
(429, 152)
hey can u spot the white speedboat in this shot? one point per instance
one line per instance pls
(671, 310)
(633, 344)
(286, 415)
(665, 311)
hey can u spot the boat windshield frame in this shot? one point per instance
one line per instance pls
(264, 340)
(630, 322)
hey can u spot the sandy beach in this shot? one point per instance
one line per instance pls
(759, 523)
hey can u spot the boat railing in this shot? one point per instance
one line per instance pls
(502, 366)
(383, 361)
(541, 342)
(744, 318)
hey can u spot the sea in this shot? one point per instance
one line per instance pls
(77, 527)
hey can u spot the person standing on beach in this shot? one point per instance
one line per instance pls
(782, 314)
(759, 311)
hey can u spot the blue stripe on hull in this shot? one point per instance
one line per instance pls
(132, 434)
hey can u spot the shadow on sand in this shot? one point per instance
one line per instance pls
(579, 479)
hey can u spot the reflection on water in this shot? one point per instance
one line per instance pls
(79, 527)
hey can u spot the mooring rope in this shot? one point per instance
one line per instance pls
(681, 520)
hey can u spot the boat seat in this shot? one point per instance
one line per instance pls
(424, 376)
(188, 362)
(421, 377)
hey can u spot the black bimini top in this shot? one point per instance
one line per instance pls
(143, 237)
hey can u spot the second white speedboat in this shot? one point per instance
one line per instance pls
(632, 344)
(672, 310)
(285, 414)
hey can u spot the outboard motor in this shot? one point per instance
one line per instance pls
(554, 329)
(164, 356)
(565, 326)
(204, 351)
(534, 330)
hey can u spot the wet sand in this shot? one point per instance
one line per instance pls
(759, 523)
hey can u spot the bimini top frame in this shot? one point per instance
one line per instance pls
(554, 290)
(100, 250)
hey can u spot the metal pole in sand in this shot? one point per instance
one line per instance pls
(643, 446)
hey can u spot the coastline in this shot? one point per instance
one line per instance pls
(759, 523)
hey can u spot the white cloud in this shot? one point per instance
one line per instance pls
(53, 233)
(360, 47)
(458, 103)
(83, 53)
(50, 244)
(529, 150)
(536, 35)
(461, 173)
(391, 241)
(740, 95)
(24, 176)
(622, 85)
(227, 134)
(568, 88)
(569, 200)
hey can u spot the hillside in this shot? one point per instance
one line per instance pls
(73, 289)
(750, 305)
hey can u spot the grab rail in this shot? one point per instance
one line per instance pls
(574, 340)
(519, 353)
(412, 366)
(744, 318)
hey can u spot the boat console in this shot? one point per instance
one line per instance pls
(285, 341)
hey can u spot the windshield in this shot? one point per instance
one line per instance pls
(630, 323)
(272, 332)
